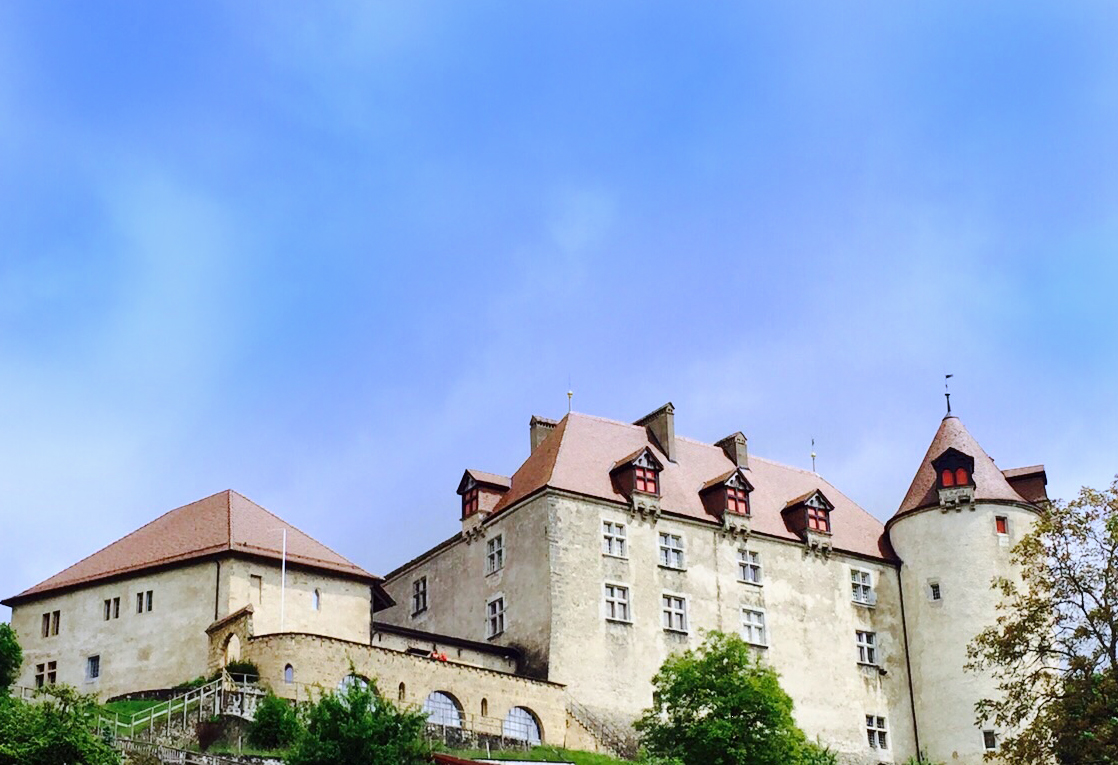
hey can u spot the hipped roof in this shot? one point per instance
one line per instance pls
(577, 456)
(226, 522)
(989, 482)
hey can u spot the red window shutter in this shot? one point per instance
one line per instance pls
(947, 478)
(961, 477)
(1001, 525)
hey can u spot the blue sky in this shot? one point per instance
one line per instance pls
(329, 255)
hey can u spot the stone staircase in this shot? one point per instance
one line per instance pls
(227, 695)
(619, 740)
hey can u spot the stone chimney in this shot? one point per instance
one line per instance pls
(661, 426)
(540, 428)
(736, 448)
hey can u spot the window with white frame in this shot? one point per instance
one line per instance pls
(749, 566)
(671, 550)
(617, 603)
(495, 554)
(613, 539)
(419, 596)
(861, 585)
(674, 613)
(753, 626)
(867, 647)
(495, 617)
(93, 667)
(876, 733)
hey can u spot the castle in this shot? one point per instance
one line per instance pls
(546, 615)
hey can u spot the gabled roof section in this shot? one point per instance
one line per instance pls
(487, 479)
(644, 451)
(815, 498)
(226, 522)
(580, 453)
(727, 478)
(989, 482)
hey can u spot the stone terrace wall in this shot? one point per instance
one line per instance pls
(320, 663)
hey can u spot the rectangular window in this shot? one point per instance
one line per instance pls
(989, 740)
(46, 625)
(818, 519)
(52, 672)
(116, 608)
(876, 733)
(54, 619)
(139, 602)
(934, 591)
(613, 539)
(40, 675)
(753, 626)
(149, 599)
(1001, 524)
(671, 550)
(617, 603)
(419, 596)
(256, 588)
(646, 480)
(495, 554)
(867, 647)
(674, 613)
(93, 667)
(736, 501)
(108, 608)
(749, 566)
(495, 617)
(861, 585)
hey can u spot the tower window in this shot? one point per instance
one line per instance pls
(989, 740)
(934, 591)
(1001, 524)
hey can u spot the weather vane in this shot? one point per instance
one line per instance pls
(570, 394)
(813, 455)
(947, 391)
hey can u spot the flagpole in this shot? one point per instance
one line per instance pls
(283, 578)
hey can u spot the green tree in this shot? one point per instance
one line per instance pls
(356, 726)
(11, 656)
(275, 725)
(718, 705)
(56, 731)
(1053, 648)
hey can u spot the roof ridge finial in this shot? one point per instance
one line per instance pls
(947, 392)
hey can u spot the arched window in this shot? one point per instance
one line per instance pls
(289, 674)
(349, 680)
(317, 600)
(522, 724)
(443, 709)
(401, 692)
(485, 707)
(961, 477)
(947, 478)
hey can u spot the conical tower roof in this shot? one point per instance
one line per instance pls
(989, 482)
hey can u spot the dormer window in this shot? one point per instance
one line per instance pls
(818, 518)
(728, 493)
(645, 480)
(638, 473)
(809, 514)
(469, 502)
(953, 468)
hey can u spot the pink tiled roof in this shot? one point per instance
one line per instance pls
(577, 456)
(989, 482)
(224, 522)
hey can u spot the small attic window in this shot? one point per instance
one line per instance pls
(737, 498)
(469, 501)
(953, 468)
(818, 518)
(639, 472)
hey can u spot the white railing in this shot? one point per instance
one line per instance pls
(225, 695)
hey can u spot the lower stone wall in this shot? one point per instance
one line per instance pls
(485, 697)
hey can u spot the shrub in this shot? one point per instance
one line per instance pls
(246, 668)
(276, 725)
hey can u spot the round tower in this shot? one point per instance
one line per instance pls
(953, 533)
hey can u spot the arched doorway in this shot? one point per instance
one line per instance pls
(232, 649)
